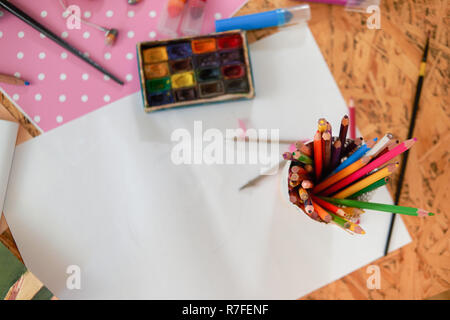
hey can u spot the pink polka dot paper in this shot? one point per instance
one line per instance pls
(63, 86)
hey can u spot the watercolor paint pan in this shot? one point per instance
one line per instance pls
(195, 70)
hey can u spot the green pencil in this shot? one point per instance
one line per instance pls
(301, 157)
(369, 188)
(343, 223)
(339, 221)
(379, 207)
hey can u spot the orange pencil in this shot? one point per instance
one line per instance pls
(329, 206)
(323, 214)
(318, 154)
(313, 215)
(341, 174)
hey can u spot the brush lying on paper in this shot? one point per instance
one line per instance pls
(331, 178)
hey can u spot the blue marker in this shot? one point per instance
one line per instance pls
(274, 18)
(358, 154)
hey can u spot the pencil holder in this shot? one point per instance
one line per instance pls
(290, 193)
(331, 179)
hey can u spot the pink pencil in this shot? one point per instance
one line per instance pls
(402, 147)
(351, 111)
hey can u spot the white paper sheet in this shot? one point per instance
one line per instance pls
(8, 136)
(102, 193)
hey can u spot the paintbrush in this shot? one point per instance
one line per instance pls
(49, 34)
(412, 125)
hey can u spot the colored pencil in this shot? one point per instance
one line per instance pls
(307, 184)
(336, 154)
(365, 167)
(329, 206)
(341, 222)
(287, 155)
(298, 169)
(358, 154)
(355, 228)
(293, 197)
(391, 145)
(361, 184)
(309, 168)
(294, 183)
(351, 111)
(412, 125)
(306, 150)
(368, 168)
(323, 214)
(359, 141)
(301, 157)
(4, 78)
(318, 154)
(346, 224)
(8, 6)
(369, 188)
(330, 130)
(303, 194)
(341, 174)
(351, 212)
(326, 136)
(352, 146)
(309, 208)
(322, 125)
(313, 215)
(343, 129)
(380, 145)
(294, 176)
(380, 207)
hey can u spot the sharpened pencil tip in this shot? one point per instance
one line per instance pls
(424, 213)
(27, 83)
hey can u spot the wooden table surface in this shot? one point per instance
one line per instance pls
(379, 69)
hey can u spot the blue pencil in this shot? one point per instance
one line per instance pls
(358, 154)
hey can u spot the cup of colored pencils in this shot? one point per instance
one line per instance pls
(331, 178)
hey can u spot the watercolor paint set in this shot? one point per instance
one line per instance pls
(195, 70)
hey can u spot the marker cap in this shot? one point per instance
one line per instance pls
(274, 18)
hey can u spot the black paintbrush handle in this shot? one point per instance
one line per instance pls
(39, 27)
(401, 176)
(412, 124)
